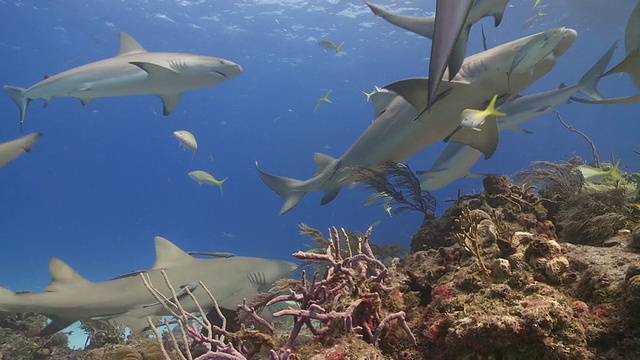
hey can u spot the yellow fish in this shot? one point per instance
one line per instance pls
(473, 119)
(594, 174)
(203, 177)
(536, 4)
(187, 140)
(328, 44)
(325, 98)
(530, 21)
(368, 94)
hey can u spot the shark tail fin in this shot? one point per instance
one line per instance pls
(590, 79)
(286, 187)
(338, 48)
(17, 95)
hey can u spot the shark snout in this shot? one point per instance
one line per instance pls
(568, 37)
(228, 69)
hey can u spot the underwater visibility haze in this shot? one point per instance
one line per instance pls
(110, 173)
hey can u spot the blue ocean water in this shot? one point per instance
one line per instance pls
(105, 178)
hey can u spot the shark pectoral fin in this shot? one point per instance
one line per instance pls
(621, 100)
(322, 161)
(56, 325)
(155, 70)
(458, 53)
(381, 101)
(288, 188)
(451, 17)
(168, 254)
(329, 195)
(419, 25)
(628, 64)
(129, 45)
(62, 275)
(169, 102)
(486, 140)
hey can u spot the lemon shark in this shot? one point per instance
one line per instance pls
(395, 136)
(70, 297)
(456, 159)
(133, 71)
(10, 150)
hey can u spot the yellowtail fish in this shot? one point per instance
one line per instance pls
(204, 178)
(325, 98)
(187, 140)
(328, 44)
(536, 4)
(473, 119)
(530, 21)
(594, 174)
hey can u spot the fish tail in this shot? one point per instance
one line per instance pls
(491, 108)
(590, 79)
(286, 187)
(17, 95)
(219, 183)
(338, 48)
(615, 171)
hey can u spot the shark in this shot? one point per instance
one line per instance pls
(395, 136)
(456, 159)
(133, 71)
(10, 150)
(449, 30)
(71, 297)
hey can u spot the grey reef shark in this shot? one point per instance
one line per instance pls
(133, 71)
(630, 64)
(395, 136)
(10, 150)
(125, 299)
(449, 30)
(456, 159)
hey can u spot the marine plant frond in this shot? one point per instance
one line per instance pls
(553, 180)
(397, 184)
(590, 218)
(315, 235)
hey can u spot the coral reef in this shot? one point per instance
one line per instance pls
(539, 270)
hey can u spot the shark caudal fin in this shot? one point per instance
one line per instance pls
(286, 187)
(17, 95)
(590, 79)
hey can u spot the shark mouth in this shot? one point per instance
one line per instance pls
(220, 73)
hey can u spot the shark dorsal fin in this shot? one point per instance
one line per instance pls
(168, 254)
(129, 45)
(62, 275)
(322, 161)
